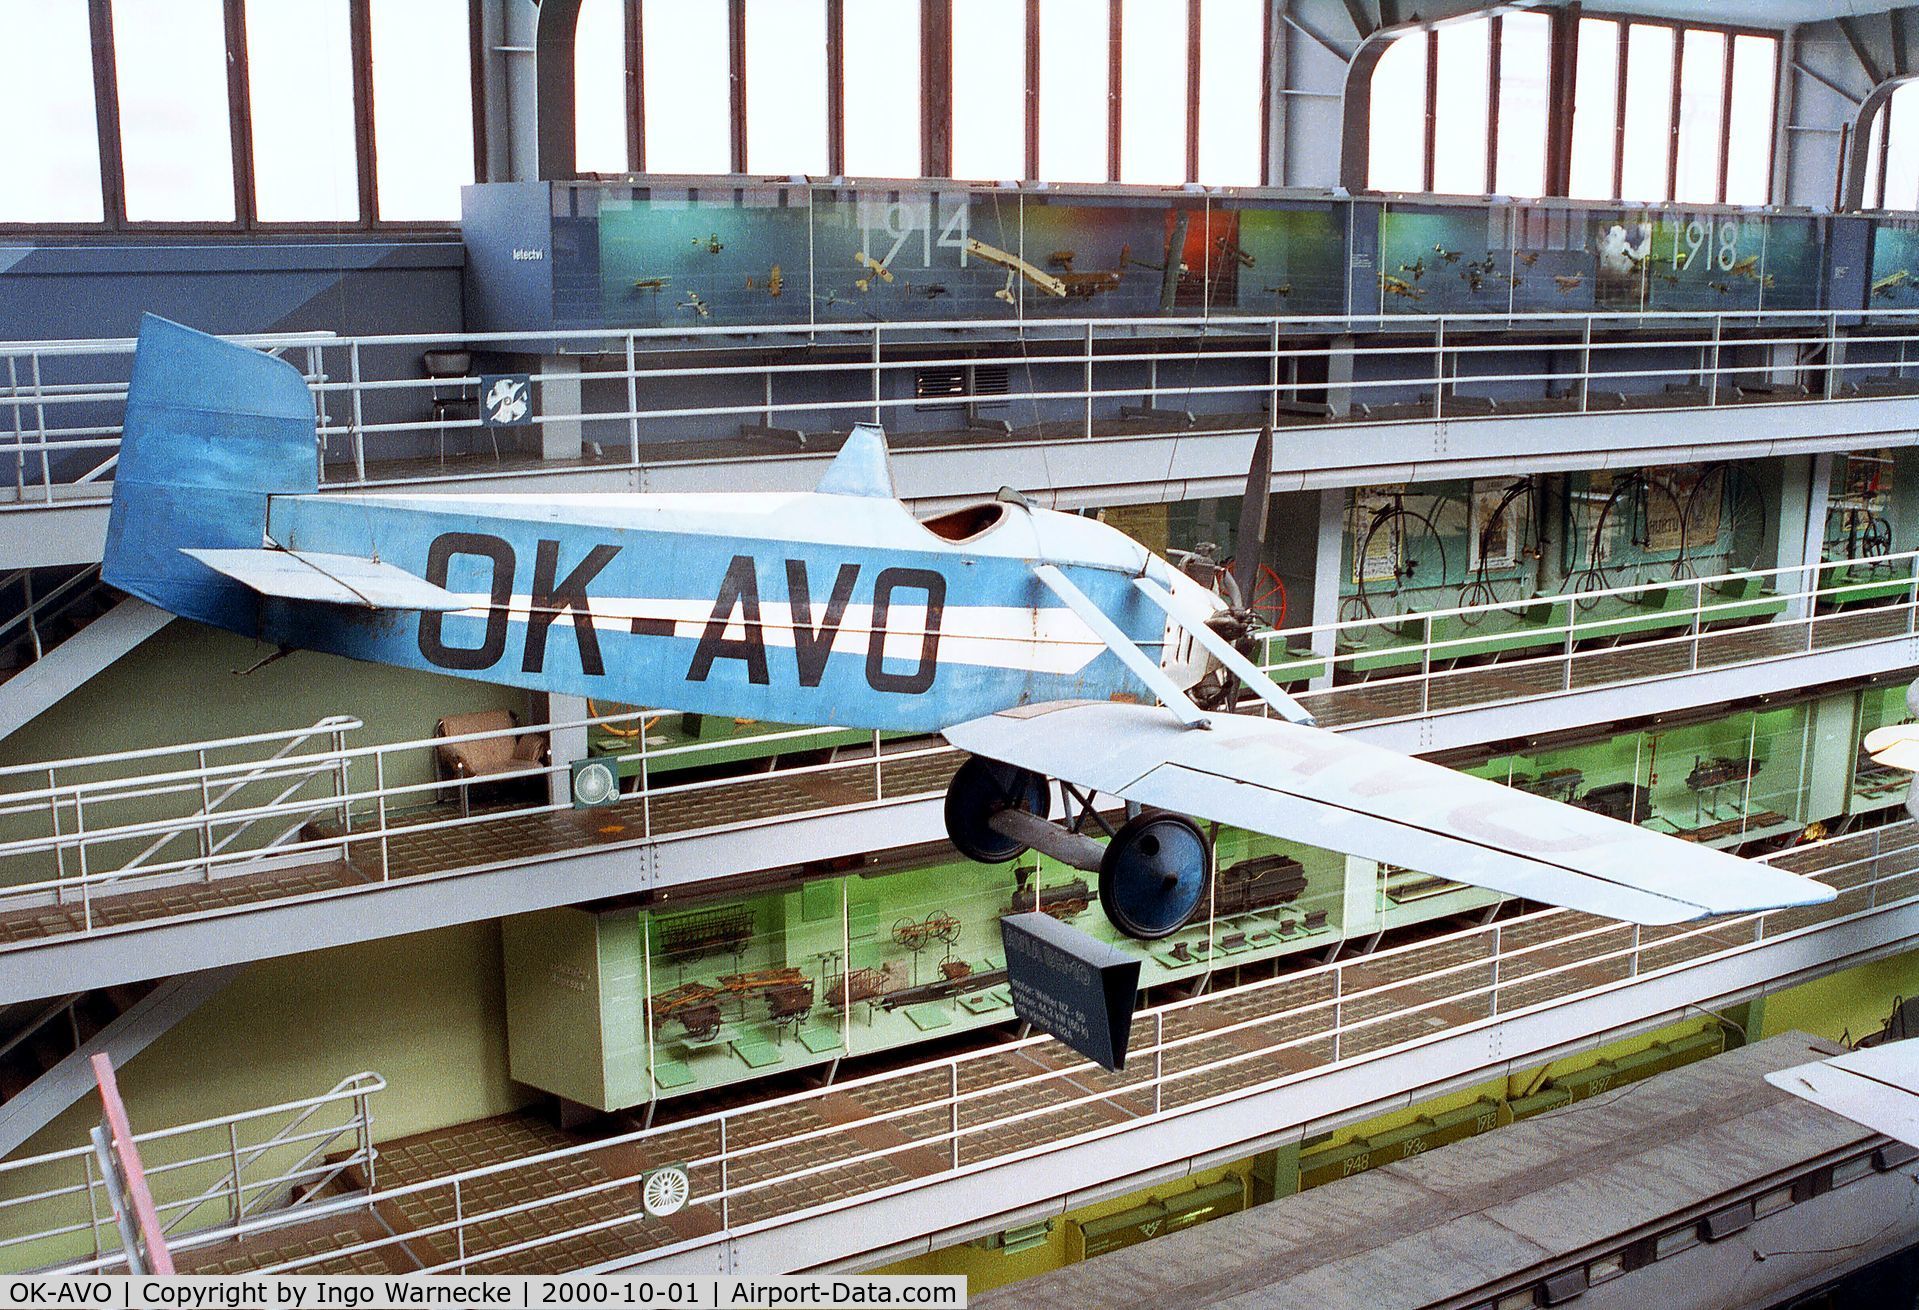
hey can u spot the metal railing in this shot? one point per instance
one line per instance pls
(76, 806)
(282, 1157)
(982, 1108)
(392, 805)
(1577, 640)
(1080, 374)
(37, 610)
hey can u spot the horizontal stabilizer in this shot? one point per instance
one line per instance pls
(1314, 786)
(1873, 1087)
(329, 579)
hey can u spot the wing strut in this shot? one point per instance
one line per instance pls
(1135, 659)
(1189, 617)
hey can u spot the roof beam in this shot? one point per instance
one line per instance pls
(1859, 51)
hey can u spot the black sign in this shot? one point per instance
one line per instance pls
(1074, 986)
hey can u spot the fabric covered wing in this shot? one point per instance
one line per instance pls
(333, 579)
(1313, 786)
(1874, 1086)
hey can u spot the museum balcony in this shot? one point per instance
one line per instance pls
(873, 1167)
(1077, 412)
(187, 856)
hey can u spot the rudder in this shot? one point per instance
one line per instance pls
(211, 430)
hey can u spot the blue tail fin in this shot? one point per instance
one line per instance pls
(212, 429)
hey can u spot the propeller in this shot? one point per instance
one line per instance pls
(1237, 622)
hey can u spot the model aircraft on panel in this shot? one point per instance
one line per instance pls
(1047, 645)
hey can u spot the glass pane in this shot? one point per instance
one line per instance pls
(1073, 66)
(1524, 58)
(300, 99)
(686, 78)
(786, 86)
(1875, 177)
(989, 89)
(1702, 91)
(1461, 94)
(882, 53)
(422, 109)
(53, 150)
(599, 88)
(1755, 63)
(1902, 158)
(1595, 109)
(1396, 151)
(1232, 44)
(176, 143)
(1152, 91)
(1648, 140)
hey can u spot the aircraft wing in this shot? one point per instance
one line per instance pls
(1314, 786)
(1874, 1086)
(334, 579)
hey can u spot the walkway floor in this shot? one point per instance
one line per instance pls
(1422, 1000)
(436, 840)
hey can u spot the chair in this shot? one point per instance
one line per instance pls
(500, 757)
(453, 366)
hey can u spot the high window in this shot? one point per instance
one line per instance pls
(188, 113)
(1659, 111)
(1892, 152)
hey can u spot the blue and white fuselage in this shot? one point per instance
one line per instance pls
(833, 607)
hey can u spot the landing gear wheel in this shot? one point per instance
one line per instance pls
(1153, 877)
(979, 790)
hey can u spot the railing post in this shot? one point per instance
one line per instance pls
(80, 839)
(1272, 375)
(726, 1209)
(1698, 618)
(1833, 358)
(1499, 950)
(379, 788)
(206, 817)
(1586, 367)
(59, 846)
(358, 428)
(879, 778)
(1718, 335)
(1159, 1043)
(235, 1202)
(46, 454)
(341, 791)
(1426, 668)
(1439, 370)
(876, 372)
(952, 1105)
(1086, 380)
(367, 1153)
(633, 404)
(1634, 957)
(459, 1229)
(1339, 1007)
(646, 789)
(93, 1204)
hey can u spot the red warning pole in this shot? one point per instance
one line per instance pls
(133, 1177)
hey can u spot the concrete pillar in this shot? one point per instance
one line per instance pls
(1805, 483)
(1325, 589)
(1339, 377)
(560, 410)
(566, 744)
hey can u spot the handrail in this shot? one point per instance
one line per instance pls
(1705, 355)
(1642, 954)
(378, 810)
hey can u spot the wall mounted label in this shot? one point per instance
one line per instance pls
(1074, 986)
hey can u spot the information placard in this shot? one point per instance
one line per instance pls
(1074, 986)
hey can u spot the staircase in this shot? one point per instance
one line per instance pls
(60, 628)
(45, 1045)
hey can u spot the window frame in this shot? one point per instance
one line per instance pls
(106, 94)
(1562, 74)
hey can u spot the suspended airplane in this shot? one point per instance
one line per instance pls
(1047, 645)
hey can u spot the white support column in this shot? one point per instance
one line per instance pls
(1339, 376)
(1332, 528)
(1805, 484)
(566, 744)
(560, 407)
(1359, 912)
